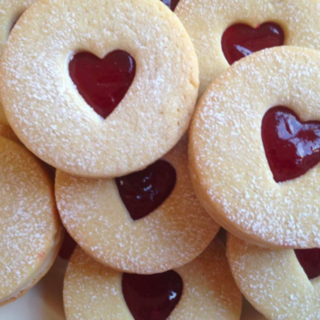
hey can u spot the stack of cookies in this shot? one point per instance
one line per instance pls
(138, 128)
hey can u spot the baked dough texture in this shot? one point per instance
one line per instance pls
(30, 229)
(9, 13)
(93, 291)
(206, 21)
(273, 281)
(51, 118)
(170, 236)
(229, 167)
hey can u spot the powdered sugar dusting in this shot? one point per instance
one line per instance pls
(230, 167)
(28, 221)
(52, 119)
(273, 281)
(171, 236)
(10, 10)
(206, 21)
(92, 291)
(209, 289)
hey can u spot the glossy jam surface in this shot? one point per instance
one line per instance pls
(102, 82)
(310, 261)
(171, 3)
(152, 296)
(240, 40)
(144, 191)
(67, 247)
(292, 147)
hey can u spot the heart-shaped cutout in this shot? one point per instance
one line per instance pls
(292, 147)
(144, 191)
(152, 296)
(102, 82)
(240, 40)
(310, 261)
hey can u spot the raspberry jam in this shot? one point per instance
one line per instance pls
(171, 3)
(102, 82)
(310, 261)
(292, 147)
(67, 247)
(144, 191)
(240, 40)
(152, 297)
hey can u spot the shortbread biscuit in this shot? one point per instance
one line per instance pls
(52, 119)
(10, 11)
(93, 291)
(273, 281)
(171, 235)
(207, 20)
(30, 230)
(230, 171)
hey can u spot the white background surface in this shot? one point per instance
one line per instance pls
(44, 301)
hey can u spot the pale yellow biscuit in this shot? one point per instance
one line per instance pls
(170, 236)
(30, 229)
(51, 118)
(7, 132)
(93, 291)
(10, 11)
(229, 167)
(273, 281)
(206, 21)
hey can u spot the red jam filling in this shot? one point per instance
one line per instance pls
(171, 3)
(292, 147)
(240, 40)
(310, 261)
(67, 247)
(144, 191)
(102, 82)
(152, 296)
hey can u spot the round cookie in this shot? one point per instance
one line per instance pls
(230, 171)
(273, 281)
(172, 234)
(93, 291)
(148, 122)
(30, 230)
(10, 11)
(206, 22)
(7, 132)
